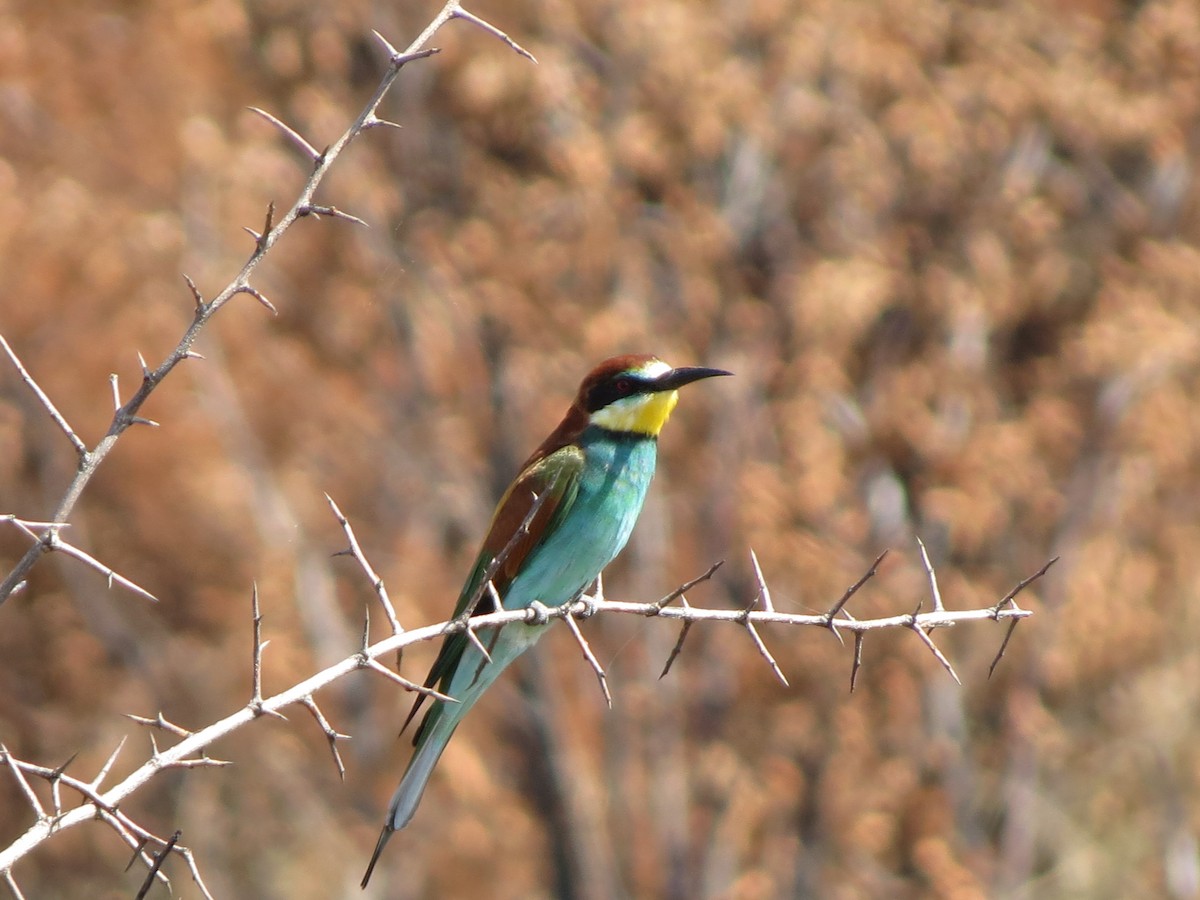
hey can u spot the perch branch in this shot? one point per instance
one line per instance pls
(188, 752)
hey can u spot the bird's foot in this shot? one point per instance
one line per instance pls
(538, 613)
(584, 607)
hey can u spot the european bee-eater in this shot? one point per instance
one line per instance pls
(590, 478)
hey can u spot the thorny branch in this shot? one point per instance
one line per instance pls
(126, 414)
(189, 751)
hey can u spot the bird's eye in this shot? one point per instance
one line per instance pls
(623, 386)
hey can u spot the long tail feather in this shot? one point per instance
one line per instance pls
(435, 734)
(473, 676)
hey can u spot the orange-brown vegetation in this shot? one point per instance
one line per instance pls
(950, 251)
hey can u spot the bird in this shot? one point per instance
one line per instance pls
(564, 518)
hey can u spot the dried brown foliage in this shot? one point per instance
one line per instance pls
(950, 251)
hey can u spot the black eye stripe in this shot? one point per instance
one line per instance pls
(607, 392)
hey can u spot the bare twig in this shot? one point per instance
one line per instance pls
(44, 399)
(159, 858)
(850, 592)
(256, 699)
(688, 585)
(355, 550)
(125, 414)
(57, 543)
(1010, 599)
(22, 782)
(12, 885)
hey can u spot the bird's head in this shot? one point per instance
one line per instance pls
(635, 393)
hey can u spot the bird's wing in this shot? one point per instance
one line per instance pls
(555, 477)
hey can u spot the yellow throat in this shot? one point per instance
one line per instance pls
(640, 414)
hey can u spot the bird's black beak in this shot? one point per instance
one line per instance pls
(677, 378)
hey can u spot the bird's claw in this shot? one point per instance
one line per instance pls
(585, 607)
(539, 613)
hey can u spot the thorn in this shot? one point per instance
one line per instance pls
(494, 596)
(192, 354)
(160, 723)
(138, 420)
(933, 584)
(259, 296)
(57, 773)
(391, 51)
(57, 543)
(933, 648)
(858, 645)
(104, 769)
(408, 685)
(677, 649)
(196, 295)
(273, 713)
(764, 593)
(260, 238)
(398, 60)
(473, 637)
(137, 852)
(114, 382)
(373, 121)
(332, 211)
(145, 368)
(590, 657)
(461, 13)
(766, 654)
(1012, 626)
(290, 133)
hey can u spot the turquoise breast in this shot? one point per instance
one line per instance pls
(616, 474)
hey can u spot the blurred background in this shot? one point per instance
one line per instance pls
(950, 250)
